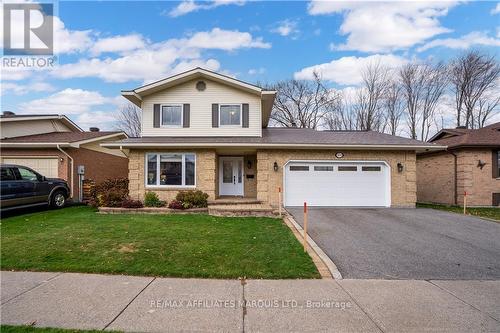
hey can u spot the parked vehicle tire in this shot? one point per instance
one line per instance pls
(58, 199)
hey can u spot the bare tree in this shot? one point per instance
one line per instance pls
(434, 83)
(302, 103)
(474, 76)
(369, 102)
(129, 120)
(340, 115)
(394, 106)
(412, 85)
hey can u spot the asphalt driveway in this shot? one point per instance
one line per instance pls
(390, 243)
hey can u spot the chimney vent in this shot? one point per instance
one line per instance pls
(8, 114)
(462, 127)
(94, 129)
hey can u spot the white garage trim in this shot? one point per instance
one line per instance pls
(51, 170)
(360, 163)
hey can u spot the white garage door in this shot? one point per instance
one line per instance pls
(46, 166)
(361, 184)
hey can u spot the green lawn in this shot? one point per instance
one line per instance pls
(491, 213)
(77, 239)
(29, 329)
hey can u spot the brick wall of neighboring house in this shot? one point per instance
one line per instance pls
(205, 175)
(98, 166)
(435, 178)
(403, 185)
(478, 183)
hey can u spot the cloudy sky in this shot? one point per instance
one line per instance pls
(104, 47)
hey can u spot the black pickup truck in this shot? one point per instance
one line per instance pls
(24, 187)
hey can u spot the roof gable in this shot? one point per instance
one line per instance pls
(461, 137)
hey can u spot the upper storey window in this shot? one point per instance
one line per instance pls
(171, 115)
(230, 114)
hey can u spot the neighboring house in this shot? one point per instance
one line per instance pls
(203, 130)
(57, 148)
(470, 164)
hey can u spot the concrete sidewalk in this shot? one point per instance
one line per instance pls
(144, 304)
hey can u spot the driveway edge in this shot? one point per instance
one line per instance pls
(313, 249)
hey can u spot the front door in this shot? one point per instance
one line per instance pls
(231, 176)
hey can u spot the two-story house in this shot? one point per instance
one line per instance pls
(56, 147)
(207, 131)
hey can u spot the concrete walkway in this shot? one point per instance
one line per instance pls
(144, 304)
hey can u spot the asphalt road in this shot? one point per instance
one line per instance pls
(390, 243)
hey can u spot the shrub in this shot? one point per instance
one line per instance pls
(111, 199)
(151, 200)
(109, 193)
(190, 199)
(174, 204)
(130, 203)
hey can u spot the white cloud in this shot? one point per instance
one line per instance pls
(100, 119)
(286, 28)
(224, 40)
(188, 6)
(496, 10)
(22, 89)
(256, 71)
(463, 42)
(118, 44)
(347, 70)
(70, 41)
(67, 101)
(385, 26)
(156, 60)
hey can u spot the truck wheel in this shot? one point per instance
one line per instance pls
(58, 199)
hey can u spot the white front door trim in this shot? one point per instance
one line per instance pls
(236, 187)
(387, 189)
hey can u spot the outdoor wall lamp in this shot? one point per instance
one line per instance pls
(275, 166)
(400, 167)
(249, 164)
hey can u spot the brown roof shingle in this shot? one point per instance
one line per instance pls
(486, 136)
(56, 137)
(297, 136)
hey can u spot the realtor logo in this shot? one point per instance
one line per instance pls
(28, 29)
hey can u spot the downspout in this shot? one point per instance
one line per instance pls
(455, 181)
(71, 172)
(123, 152)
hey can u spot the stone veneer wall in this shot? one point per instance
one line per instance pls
(205, 174)
(403, 185)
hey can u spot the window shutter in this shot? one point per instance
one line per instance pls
(245, 115)
(494, 163)
(186, 115)
(156, 115)
(215, 115)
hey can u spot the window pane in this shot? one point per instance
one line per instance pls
(348, 168)
(370, 168)
(27, 174)
(7, 174)
(323, 168)
(171, 115)
(240, 171)
(170, 169)
(227, 172)
(299, 168)
(151, 169)
(230, 114)
(190, 167)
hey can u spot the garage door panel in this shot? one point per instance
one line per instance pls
(47, 167)
(331, 187)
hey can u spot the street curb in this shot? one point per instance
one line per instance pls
(314, 247)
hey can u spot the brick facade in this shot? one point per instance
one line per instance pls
(436, 177)
(266, 181)
(403, 185)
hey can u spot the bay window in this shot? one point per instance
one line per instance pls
(170, 169)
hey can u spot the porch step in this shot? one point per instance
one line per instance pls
(233, 201)
(241, 210)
